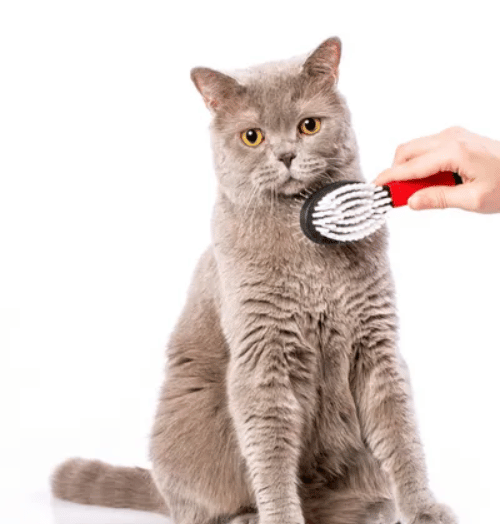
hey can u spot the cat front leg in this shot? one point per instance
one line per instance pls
(381, 389)
(268, 422)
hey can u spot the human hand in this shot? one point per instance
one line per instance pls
(475, 158)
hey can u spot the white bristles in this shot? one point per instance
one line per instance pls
(351, 212)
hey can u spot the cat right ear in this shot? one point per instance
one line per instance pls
(217, 89)
(323, 63)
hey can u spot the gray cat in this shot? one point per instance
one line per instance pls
(285, 400)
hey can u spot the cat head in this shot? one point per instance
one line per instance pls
(279, 130)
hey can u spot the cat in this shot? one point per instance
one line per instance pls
(286, 400)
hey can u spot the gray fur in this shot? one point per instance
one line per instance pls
(285, 400)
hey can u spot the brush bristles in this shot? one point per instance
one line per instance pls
(351, 212)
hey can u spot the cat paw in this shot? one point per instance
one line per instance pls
(435, 514)
(245, 518)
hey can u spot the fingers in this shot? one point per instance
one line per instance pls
(424, 165)
(442, 197)
(416, 147)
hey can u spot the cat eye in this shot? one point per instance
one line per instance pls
(252, 137)
(310, 126)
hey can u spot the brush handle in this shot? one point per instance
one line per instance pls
(402, 190)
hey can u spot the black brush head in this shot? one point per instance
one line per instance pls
(308, 208)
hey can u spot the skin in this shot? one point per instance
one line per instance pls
(475, 158)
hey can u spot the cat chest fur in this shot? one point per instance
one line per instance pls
(312, 302)
(299, 317)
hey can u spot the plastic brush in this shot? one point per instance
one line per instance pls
(346, 211)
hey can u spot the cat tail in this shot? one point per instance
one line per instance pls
(94, 482)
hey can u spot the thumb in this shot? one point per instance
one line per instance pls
(441, 197)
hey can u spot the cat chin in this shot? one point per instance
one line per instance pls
(292, 187)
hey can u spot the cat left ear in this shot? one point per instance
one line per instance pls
(217, 89)
(323, 64)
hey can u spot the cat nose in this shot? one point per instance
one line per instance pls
(287, 158)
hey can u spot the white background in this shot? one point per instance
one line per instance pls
(106, 190)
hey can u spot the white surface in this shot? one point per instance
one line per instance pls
(105, 166)
(40, 508)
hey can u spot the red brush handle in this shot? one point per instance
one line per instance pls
(402, 190)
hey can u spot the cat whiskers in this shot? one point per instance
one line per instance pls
(246, 220)
(253, 194)
(274, 201)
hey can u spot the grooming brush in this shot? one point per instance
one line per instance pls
(347, 210)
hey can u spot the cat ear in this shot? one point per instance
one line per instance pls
(323, 64)
(217, 89)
